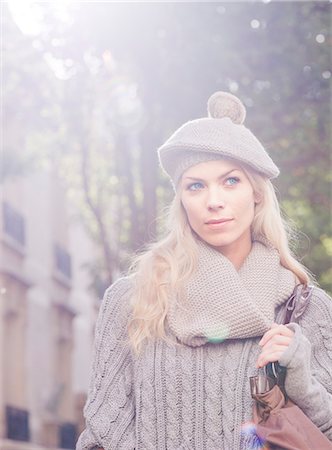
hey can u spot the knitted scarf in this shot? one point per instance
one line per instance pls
(219, 302)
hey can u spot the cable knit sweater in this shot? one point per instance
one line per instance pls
(196, 397)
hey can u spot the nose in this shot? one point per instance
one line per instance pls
(215, 199)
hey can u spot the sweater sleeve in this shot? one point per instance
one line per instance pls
(110, 409)
(309, 362)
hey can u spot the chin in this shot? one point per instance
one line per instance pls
(219, 243)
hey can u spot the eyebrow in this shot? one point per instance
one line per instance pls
(220, 176)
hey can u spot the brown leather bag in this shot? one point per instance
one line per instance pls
(278, 421)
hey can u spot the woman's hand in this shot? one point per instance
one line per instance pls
(274, 342)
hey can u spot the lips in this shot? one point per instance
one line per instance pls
(217, 221)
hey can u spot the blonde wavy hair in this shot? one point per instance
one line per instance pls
(162, 269)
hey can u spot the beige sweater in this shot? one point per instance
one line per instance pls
(196, 397)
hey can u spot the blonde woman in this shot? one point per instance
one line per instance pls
(177, 340)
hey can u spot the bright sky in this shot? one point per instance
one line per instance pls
(28, 14)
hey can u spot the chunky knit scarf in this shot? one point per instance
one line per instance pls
(219, 302)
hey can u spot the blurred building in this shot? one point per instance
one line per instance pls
(47, 316)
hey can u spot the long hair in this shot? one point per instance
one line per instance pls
(162, 269)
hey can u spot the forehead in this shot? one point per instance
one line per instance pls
(214, 167)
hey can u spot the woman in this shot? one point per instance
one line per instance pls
(178, 339)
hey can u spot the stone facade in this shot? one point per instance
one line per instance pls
(47, 316)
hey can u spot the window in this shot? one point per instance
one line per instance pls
(17, 424)
(62, 261)
(67, 435)
(13, 223)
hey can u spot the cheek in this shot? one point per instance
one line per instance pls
(247, 206)
(192, 210)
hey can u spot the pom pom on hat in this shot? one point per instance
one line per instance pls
(223, 104)
(221, 135)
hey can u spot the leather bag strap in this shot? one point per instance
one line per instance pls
(297, 303)
(294, 308)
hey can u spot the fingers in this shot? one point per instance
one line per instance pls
(275, 330)
(277, 339)
(274, 343)
(270, 355)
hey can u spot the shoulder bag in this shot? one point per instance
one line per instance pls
(278, 421)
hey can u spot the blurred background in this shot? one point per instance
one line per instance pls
(89, 91)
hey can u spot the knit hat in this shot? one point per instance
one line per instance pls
(220, 135)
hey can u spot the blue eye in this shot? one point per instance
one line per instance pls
(231, 181)
(195, 186)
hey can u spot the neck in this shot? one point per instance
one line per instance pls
(238, 251)
(237, 259)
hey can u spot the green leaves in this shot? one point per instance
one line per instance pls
(137, 71)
